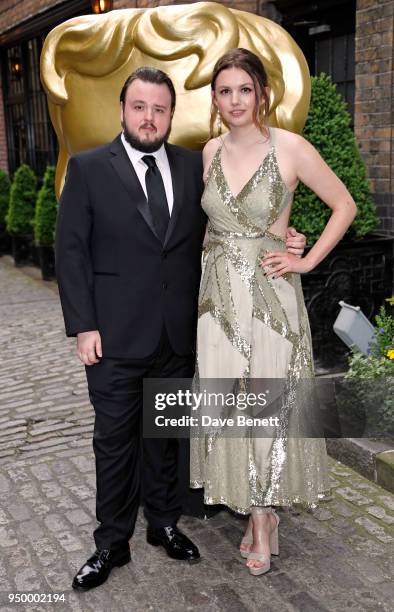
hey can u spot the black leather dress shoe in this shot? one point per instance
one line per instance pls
(175, 543)
(97, 569)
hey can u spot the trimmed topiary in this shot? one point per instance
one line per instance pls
(46, 208)
(4, 196)
(22, 202)
(328, 129)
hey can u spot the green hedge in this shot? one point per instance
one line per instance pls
(328, 129)
(22, 202)
(4, 196)
(46, 208)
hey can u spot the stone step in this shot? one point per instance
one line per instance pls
(374, 459)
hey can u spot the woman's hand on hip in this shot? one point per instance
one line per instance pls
(276, 264)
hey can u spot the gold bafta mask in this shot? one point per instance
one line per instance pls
(86, 60)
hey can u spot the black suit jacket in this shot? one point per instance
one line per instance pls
(113, 272)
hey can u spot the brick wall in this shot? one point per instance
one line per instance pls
(3, 139)
(121, 4)
(13, 12)
(243, 5)
(374, 100)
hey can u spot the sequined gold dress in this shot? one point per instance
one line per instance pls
(252, 326)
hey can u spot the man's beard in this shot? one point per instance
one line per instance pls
(141, 145)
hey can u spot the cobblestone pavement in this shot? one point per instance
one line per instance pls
(338, 558)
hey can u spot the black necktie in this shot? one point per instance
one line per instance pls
(157, 199)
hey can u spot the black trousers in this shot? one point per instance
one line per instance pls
(115, 390)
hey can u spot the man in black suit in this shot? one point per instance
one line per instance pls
(128, 250)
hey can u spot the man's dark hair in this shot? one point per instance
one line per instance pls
(149, 75)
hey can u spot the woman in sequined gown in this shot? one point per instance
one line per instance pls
(253, 322)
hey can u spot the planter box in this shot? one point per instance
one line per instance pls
(359, 273)
(47, 262)
(21, 250)
(35, 254)
(5, 242)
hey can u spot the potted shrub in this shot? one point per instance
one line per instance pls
(367, 392)
(44, 224)
(21, 213)
(358, 270)
(5, 241)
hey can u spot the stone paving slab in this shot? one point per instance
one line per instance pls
(339, 557)
(43, 396)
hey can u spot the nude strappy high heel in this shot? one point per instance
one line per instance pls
(248, 540)
(274, 545)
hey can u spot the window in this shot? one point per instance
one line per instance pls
(335, 56)
(325, 33)
(31, 138)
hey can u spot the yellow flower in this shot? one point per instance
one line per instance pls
(390, 354)
(390, 300)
